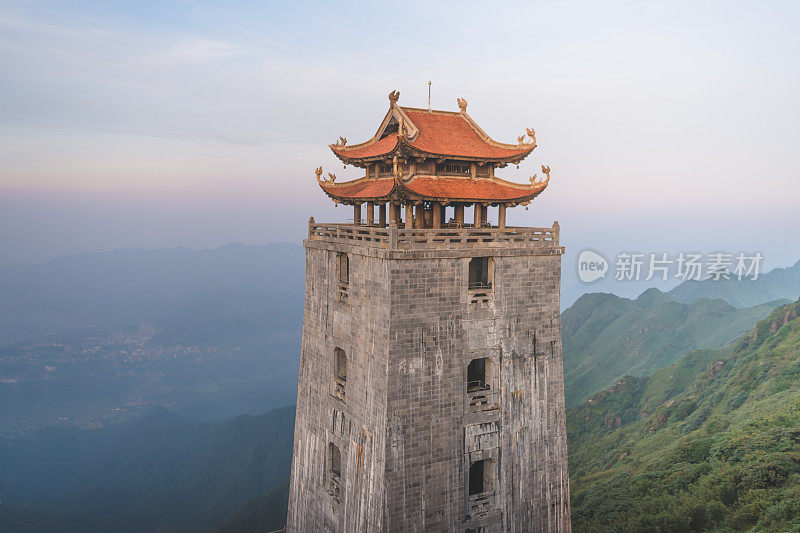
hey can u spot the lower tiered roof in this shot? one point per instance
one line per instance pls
(433, 188)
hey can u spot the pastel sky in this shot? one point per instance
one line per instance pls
(667, 125)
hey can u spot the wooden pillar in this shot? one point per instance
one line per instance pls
(437, 215)
(477, 217)
(370, 214)
(356, 214)
(419, 216)
(501, 217)
(409, 215)
(459, 214)
(484, 215)
(382, 215)
(393, 214)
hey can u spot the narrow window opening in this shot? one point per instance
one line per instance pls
(479, 273)
(476, 375)
(481, 385)
(341, 364)
(344, 268)
(336, 460)
(482, 477)
(339, 373)
(334, 470)
(476, 478)
(343, 275)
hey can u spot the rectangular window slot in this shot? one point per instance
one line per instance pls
(339, 373)
(479, 281)
(482, 477)
(480, 394)
(343, 277)
(334, 481)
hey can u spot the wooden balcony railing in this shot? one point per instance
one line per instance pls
(403, 239)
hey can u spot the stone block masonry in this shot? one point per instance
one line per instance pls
(414, 437)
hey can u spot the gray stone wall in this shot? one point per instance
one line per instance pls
(356, 425)
(432, 435)
(411, 328)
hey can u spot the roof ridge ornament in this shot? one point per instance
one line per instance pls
(331, 177)
(393, 96)
(532, 134)
(341, 141)
(462, 104)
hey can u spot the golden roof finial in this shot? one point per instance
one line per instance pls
(462, 105)
(531, 134)
(318, 172)
(546, 170)
(342, 141)
(393, 96)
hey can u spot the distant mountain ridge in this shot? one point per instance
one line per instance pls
(779, 283)
(606, 337)
(133, 286)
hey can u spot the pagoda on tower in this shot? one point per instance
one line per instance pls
(427, 160)
(431, 393)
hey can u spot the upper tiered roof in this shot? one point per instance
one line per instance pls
(420, 155)
(433, 134)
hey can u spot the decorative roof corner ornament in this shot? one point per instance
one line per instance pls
(342, 141)
(331, 177)
(535, 181)
(393, 96)
(530, 133)
(462, 105)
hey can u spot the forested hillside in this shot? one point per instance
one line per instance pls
(712, 442)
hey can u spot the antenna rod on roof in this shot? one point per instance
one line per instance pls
(429, 96)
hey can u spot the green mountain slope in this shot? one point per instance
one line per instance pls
(712, 442)
(606, 337)
(775, 284)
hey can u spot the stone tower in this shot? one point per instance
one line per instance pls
(431, 393)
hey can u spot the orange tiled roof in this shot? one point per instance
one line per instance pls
(436, 133)
(369, 149)
(468, 189)
(433, 188)
(362, 188)
(451, 134)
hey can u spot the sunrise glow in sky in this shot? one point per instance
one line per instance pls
(667, 126)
